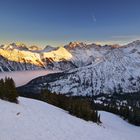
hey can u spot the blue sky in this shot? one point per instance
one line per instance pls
(57, 22)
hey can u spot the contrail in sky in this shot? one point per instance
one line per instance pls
(94, 18)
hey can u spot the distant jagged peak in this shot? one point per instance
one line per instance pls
(34, 48)
(48, 48)
(18, 45)
(76, 43)
(73, 45)
(113, 46)
(1, 46)
(136, 42)
(58, 54)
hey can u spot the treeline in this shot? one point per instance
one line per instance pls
(75, 106)
(132, 115)
(8, 90)
(125, 105)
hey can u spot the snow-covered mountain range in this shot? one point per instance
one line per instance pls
(71, 56)
(86, 67)
(94, 69)
(17, 57)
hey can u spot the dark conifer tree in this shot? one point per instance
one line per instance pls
(8, 90)
(2, 90)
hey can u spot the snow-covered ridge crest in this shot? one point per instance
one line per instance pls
(99, 70)
(21, 47)
(21, 56)
(73, 45)
(57, 55)
(75, 54)
(33, 56)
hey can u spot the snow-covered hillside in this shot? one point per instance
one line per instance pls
(100, 70)
(58, 55)
(21, 55)
(35, 120)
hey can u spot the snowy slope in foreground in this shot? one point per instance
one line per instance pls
(35, 120)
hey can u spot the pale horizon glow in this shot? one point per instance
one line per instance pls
(59, 44)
